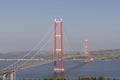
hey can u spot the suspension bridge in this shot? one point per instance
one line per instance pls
(58, 51)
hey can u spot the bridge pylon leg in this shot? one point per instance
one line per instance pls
(4, 76)
(12, 76)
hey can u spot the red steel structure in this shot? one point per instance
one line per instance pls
(86, 51)
(58, 37)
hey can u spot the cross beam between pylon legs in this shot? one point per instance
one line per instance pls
(60, 49)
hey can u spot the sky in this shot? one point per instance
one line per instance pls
(23, 23)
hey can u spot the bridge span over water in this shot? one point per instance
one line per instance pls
(11, 71)
(57, 36)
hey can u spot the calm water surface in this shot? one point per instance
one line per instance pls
(73, 69)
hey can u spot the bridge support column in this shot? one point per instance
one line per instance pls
(58, 45)
(4, 76)
(86, 51)
(12, 76)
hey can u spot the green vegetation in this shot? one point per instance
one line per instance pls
(92, 78)
(101, 78)
(87, 78)
(62, 78)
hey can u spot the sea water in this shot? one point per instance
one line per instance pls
(73, 70)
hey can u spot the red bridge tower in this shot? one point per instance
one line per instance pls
(58, 45)
(87, 57)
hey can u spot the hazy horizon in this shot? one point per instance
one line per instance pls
(24, 23)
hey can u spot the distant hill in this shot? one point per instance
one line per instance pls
(100, 55)
(106, 54)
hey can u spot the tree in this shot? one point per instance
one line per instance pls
(87, 78)
(45, 79)
(101, 78)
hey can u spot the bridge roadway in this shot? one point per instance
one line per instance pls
(14, 69)
(11, 71)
